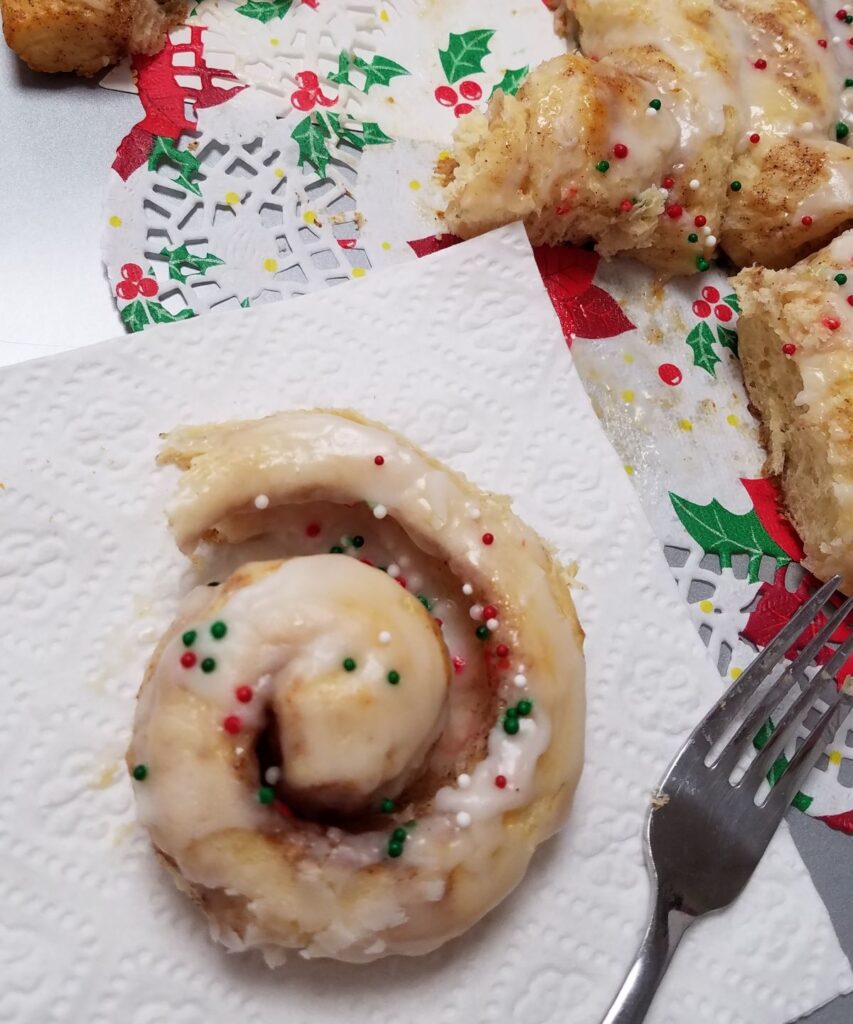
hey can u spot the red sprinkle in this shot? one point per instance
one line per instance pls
(668, 182)
(850, 41)
(700, 220)
(243, 694)
(188, 659)
(840, 14)
(822, 43)
(488, 538)
(807, 220)
(458, 664)
(850, 300)
(500, 781)
(502, 650)
(282, 809)
(620, 150)
(755, 137)
(626, 206)
(402, 581)
(789, 349)
(232, 724)
(761, 64)
(674, 211)
(380, 460)
(831, 323)
(313, 529)
(490, 612)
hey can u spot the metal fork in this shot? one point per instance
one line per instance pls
(706, 832)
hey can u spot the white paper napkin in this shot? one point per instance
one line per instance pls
(462, 353)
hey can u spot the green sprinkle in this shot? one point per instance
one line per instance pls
(848, 83)
(336, 549)
(208, 665)
(399, 835)
(140, 772)
(387, 806)
(848, 19)
(425, 601)
(603, 166)
(524, 707)
(702, 263)
(266, 795)
(512, 712)
(395, 849)
(189, 637)
(840, 279)
(511, 725)
(735, 186)
(692, 237)
(411, 823)
(349, 664)
(358, 542)
(482, 632)
(841, 130)
(654, 104)
(393, 677)
(218, 630)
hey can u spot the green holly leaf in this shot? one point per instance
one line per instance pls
(373, 134)
(732, 302)
(378, 71)
(727, 338)
(181, 258)
(341, 76)
(265, 10)
(511, 81)
(134, 316)
(310, 136)
(801, 801)
(701, 340)
(465, 53)
(160, 315)
(345, 134)
(163, 149)
(720, 532)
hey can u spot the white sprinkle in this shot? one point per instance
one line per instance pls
(476, 611)
(706, 230)
(463, 781)
(263, 683)
(836, 39)
(272, 775)
(651, 112)
(262, 501)
(808, 126)
(520, 680)
(664, 192)
(492, 625)
(694, 183)
(385, 637)
(467, 589)
(711, 241)
(393, 570)
(239, 751)
(475, 513)
(379, 511)
(463, 819)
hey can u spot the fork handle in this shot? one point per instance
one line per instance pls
(666, 927)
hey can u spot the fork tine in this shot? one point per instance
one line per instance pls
(724, 712)
(759, 714)
(789, 721)
(806, 757)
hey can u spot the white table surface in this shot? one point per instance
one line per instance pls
(58, 136)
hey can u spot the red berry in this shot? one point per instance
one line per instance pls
(379, 460)
(710, 293)
(723, 313)
(127, 289)
(822, 43)
(701, 308)
(668, 182)
(446, 96)
(313, 529)
(490, 612)
(500, 781)
(789, 349)
(700, 220)
(670, 374)
(488, 538)
(308, 80)
(346, 243)
(755, 137)
(626, 205)
(761, 64)
(148, 287)
(470, 90)
(302, 99)
(674, 211)
(188, 659)
(232, 724)
(502, 651)
(831, 323)
(620, 150)
(131, 272)
(243, 694)
(807, 221)
(461, 109)
(458, 664)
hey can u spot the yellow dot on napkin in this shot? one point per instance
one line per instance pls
(358, 271)
(273, 41)
(115, 222)
(629, 470)
(628, 357)
(270, 265)
(386, 245)
(278, 172)
(835, 757)
(232, 198)
(309, 217)
(414, 184)
(383, 15)
(685, 425)
(732, 420)
(735, 672)
(627, 395)
(706, 606)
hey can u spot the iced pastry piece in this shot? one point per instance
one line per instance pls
(325, 758)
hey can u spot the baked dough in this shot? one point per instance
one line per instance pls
(796, 349)
(310, 765)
